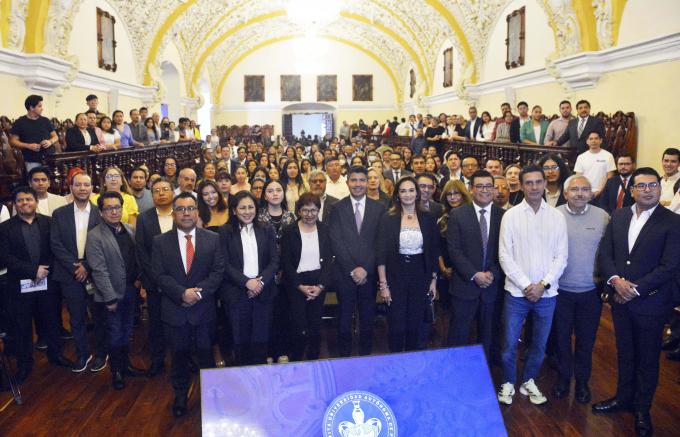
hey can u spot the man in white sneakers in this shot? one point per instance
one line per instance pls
(533, 251)
(596, 164)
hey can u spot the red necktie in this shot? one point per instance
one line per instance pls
(190, 252)
(622, 193)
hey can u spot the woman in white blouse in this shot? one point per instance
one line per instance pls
(111, 135)
(486, 131)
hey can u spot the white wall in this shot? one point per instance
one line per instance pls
(644, 19)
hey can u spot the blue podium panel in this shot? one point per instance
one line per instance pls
(444, 392)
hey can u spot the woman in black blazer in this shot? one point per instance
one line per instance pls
(407, 253)
(248, 290)
(307, 260)
(81, 138)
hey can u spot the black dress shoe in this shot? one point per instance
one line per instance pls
(155, 369)
(61, 361)
(133, 371)
(561, 389)
(610, 406)
(670, 343)
(118, 380)
(179, 407)
(643, 424)
(582, 393)
(22, 375)
(674, 355)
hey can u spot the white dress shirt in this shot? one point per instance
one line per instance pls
(82, 217)
(183, 245)
(533, 247)
(251, 266)
(487, 216)
(636, 225)
(361, 205)
(4, 215)
(165, 221)
(338, 189)
(667, 184)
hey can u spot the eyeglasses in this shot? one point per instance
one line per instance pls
(170, 165)
(161, 190)
(183, 209)
(551, 167)
(309, 211)
(483, 187)
(426, 186)
(112, 176)
(453, 193)
(116, 208)
(642, 186)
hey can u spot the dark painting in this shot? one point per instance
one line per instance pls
(362, 88)
(253, 88)
(290, 88)
(327, 88)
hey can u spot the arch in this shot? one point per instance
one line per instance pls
(390, 73)
(36, 18)
(312, 106)
(618, 7)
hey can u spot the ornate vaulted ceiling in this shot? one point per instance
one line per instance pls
(214, 35)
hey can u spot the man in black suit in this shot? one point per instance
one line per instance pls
(472, 238)
(517, 122)
(579, 128)
(473, 125)
(240, 160)
(354, 230)
(427, 183)
(396, 170)
(616, 193)
(317, 185)
(150, 223)
(187, 283)
(640, 257)
(25, 250)
(68, 235)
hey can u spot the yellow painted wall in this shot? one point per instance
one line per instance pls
(13, 96)
(647, 19)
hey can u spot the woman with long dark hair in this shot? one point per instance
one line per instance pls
(293, 184)
(169, 170)
(556, 172)
(212, 208)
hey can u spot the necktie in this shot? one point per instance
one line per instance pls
(622, 193)
(397, 173)
(485, 238)
(581, 126)
(357, 217)
(190, 252)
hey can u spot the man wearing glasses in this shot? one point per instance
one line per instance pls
(427, 182)
(639, 258)
(110, 251)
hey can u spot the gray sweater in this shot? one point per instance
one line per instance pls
(585, 232)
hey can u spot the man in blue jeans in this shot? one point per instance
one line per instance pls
(533, 250)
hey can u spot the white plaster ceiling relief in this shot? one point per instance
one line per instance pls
(604, 23)
(17, 25)
(567, 34)
(59, 26)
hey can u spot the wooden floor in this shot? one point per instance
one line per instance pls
(60, 403)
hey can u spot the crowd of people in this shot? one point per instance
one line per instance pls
(256, 238)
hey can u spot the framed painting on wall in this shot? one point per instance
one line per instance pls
(327, 88)
(448, 67)
(106, 40)
(290, 88)
(515, 39)
(253, 88)
(362, 87)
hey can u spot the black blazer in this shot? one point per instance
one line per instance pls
(291, 250)
(14, 253)
(464, 241)
(653, 263)
(328, 203)
(350, 248)
(514, 130)
(63, 241)
(75, 141)
(387, 246)
(471, 129)
(146, 229)
(207, 271)
(561, 200)
(593, 124)
(610, 192)
(234, 283)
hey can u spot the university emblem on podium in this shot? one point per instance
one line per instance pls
(359, 414)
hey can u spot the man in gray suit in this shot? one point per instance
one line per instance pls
(110, 251)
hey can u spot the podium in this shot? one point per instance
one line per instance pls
(443, 392)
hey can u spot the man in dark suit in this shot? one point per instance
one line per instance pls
(517, 122)
(240, 160)
(579, 128)
(317, 185)
(396, 170)
(353, 225)
(427, 183)
(472, 238)
(150, 223)
(640, 257)
(68, 235)
(616, 193)
(473, 125)
(188, 284)
(25, 250)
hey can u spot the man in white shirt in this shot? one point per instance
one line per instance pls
(533, 253)
(670, 162)
(186, 181)
(596, 164)
(336, 184)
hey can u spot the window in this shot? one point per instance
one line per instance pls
(448, 67)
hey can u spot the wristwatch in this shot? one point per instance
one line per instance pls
(544, 284)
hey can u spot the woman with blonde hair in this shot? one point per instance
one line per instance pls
(113, 179)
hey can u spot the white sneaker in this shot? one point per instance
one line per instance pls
(506, 393)
(530, 389)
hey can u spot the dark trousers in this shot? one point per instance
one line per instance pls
(119, 323)
(408, 289)
(577, 313)
(351, 296)
(463, 313)
(6, 317)
(38, 305)
(180, 339)
(251, 322)
(638, 347)
(156, 335)
(280, 327)
(76, 301)
(305, 319)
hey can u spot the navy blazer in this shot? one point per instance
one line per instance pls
(610, 193)
(207, 271)
(63, 241)
(474, 126)
(593, 124)
(653, 263)
(234, 282)
(291, 251)
(147, 227)
(464, 240)
(14, 253)
(352, 249)
(387, 246)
